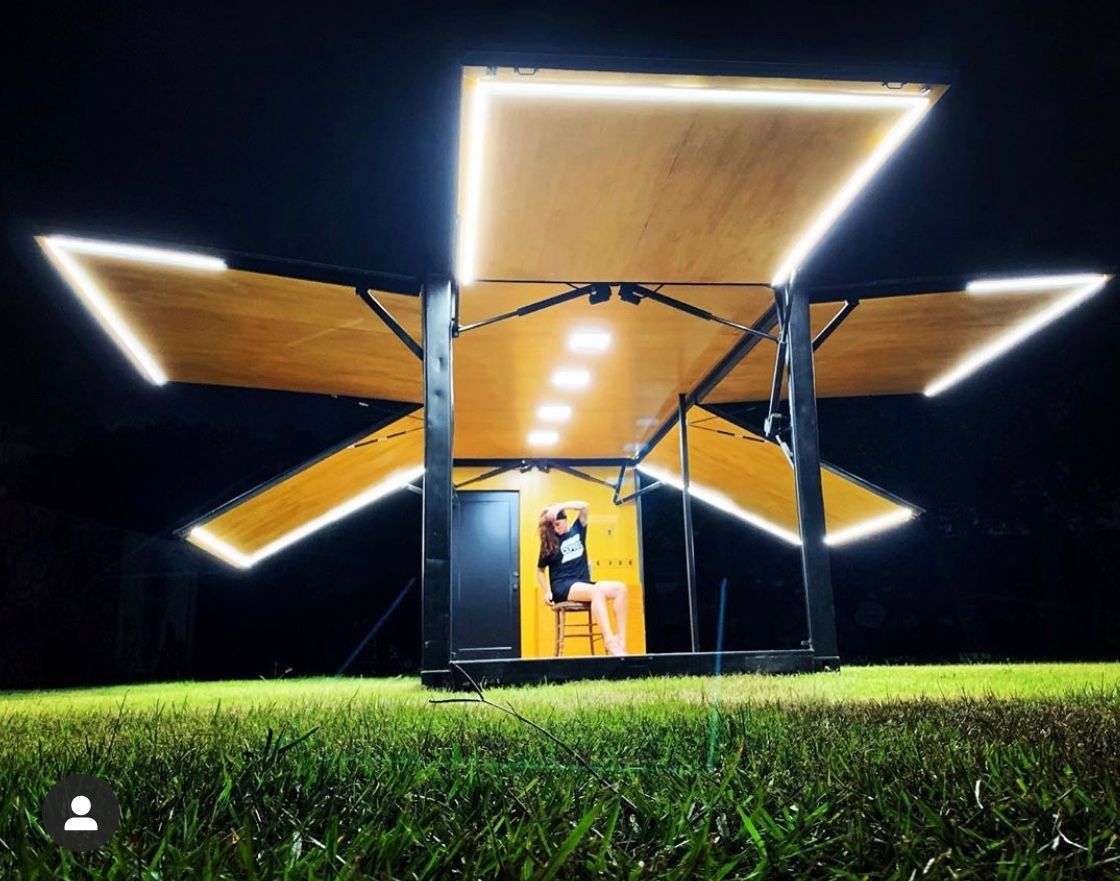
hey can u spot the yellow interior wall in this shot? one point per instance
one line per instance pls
(612, 541)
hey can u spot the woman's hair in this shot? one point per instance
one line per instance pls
(547, 529)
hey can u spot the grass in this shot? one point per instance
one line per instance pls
(968, 772)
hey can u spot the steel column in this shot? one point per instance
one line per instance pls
(439, 411)
(689, 543)
(820, 613)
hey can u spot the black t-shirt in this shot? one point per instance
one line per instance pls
(568, 563)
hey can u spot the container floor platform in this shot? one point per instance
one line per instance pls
(535, 671)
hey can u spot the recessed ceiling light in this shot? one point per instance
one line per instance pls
(543, 438)
(569, 377)
(589, 341)
(554, 412)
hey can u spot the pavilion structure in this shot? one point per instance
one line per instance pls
(627, 254)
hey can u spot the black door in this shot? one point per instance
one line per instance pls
(485, 579)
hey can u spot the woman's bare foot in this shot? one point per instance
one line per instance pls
(615, 645)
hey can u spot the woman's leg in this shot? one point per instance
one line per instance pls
(597, 595)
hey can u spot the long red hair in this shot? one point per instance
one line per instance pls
(547, 529)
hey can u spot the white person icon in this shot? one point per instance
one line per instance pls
(80, 805)
(81, 813)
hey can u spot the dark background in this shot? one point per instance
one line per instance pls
(324, 134)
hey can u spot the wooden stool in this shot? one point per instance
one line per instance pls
(588, 630)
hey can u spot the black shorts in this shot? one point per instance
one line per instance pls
(561, 589)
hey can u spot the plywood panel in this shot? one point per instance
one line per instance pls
(612, 542)
(896, 345)
(503, 372)
(278, 511)
(632, 189)
(755, 477)
(262, 331)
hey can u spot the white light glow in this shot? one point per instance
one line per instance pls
(469, 221)
(894, 138)
(988, 353)
(571, 378)
(694, 95)
(222, 549)
(108, 317)
(554, 412)
(1030, 283)
(870, 527)
(913, 108)
(727, 505)
(137, 253)
(589, 341)
(722, 502)
(543, 438)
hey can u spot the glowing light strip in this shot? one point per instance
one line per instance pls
(60, 250)
(1030, 283)
(870, 527)
(719, 500)
(468, 231)
(915, 106)
(695, 95)
(1017, 334)
(203, 537)
(722, 502)
(138, 253)
(847, 194)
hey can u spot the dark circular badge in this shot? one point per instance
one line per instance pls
(81, 812)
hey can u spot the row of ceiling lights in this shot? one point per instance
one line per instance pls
(585, 342)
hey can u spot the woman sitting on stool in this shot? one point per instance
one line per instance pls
(564, 554)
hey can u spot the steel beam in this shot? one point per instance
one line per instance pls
(439, 428)
(689, 538)
(386, 316)
(815, 571)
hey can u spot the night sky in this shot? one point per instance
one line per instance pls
(325, 135)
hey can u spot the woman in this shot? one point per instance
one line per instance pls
(564, 554)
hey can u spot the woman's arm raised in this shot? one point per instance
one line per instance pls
(580, 506)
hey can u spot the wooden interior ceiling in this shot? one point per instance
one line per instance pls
(240, 328)
(502, 372)
(895, 345)
(633, 189)
(270, 516)
(746, 473)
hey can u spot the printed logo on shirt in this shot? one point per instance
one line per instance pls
(571, 548)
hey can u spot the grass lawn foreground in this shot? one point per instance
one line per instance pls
(977, 771)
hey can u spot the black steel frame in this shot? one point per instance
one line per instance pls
(794, 353)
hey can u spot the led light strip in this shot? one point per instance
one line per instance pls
(220, 548)
(725, 504)
(722, 502)
(870, 527)
(61, 250)
(1084, 286)
(915, 107)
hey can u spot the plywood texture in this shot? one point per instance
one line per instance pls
(896, 345)
(263, 331)
(729, 460)
(628, 189)
(503, 372)
(273, 513)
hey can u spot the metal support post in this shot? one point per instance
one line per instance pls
(820, 613)
(439, 410)
(689, 543)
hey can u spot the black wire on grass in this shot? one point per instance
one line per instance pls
(511, 711)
